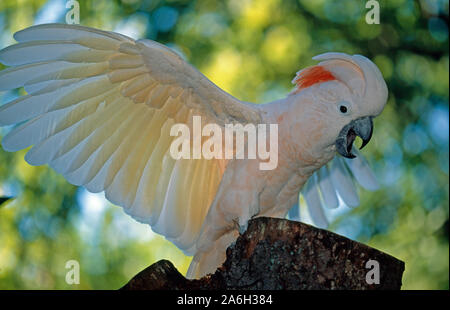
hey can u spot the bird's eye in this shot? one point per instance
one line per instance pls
(344, 107)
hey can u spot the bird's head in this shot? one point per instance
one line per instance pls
(348, 92)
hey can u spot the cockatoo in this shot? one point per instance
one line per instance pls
(100, 106)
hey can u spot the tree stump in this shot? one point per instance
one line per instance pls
(278, 254)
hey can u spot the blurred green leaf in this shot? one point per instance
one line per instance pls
(3, 200)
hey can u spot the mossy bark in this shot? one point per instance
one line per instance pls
(282, 254)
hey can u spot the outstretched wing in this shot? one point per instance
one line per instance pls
(99, 110)
(338, 178)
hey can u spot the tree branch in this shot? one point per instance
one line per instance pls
(282, 254)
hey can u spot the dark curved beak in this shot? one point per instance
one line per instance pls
(361, 127)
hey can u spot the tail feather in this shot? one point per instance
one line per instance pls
(207, 261)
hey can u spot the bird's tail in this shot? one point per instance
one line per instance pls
(207, 261)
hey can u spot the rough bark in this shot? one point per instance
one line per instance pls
(282, 254)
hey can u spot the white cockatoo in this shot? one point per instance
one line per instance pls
(100, 106)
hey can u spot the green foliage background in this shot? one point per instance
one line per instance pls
(251, 48)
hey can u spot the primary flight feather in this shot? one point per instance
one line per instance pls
(100, 107)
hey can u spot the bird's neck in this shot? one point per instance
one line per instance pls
(299, 132)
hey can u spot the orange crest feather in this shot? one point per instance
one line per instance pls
(311, 76)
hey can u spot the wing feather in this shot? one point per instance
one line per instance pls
(312, 198)
(99, 110)
(327, 189)
(343, 183)
(38, 51)
(333, 179)
(362, 172)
